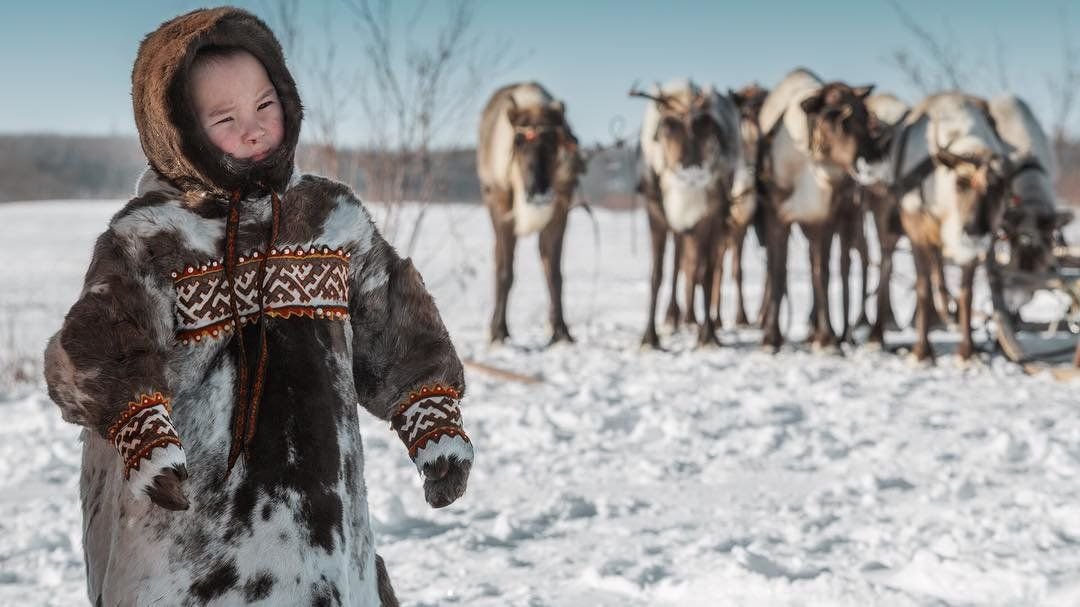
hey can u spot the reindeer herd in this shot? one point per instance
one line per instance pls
(950, 174)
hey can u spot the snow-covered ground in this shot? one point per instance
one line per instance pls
(718, 477)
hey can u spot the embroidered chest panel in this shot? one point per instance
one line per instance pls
(311, 282)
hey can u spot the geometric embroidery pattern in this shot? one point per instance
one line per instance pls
(311, 282)
(428, 415)
(144, 426)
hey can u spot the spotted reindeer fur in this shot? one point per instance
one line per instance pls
(289, 525)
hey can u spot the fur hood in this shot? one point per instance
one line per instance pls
(172, 138)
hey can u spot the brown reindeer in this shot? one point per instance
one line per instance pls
(529, 164)
(744, 202)
(688, 154)
(952, 182)
(815, 133)
(740, 217)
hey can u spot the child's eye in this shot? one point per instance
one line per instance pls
(265, 104)
(223, 120)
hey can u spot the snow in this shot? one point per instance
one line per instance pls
(719, 477)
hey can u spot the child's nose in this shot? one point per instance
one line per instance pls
(254, 132)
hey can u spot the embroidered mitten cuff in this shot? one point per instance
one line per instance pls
(429, 423)
(147, 441)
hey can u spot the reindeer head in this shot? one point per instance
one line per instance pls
(545, 152)
(1033, 228)
(688, 135)
(974, 188)
(748, 100)
(839, 125)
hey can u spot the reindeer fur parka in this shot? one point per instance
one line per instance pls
(233, 316)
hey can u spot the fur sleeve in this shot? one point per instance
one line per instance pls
(405, 367)
(105, 368)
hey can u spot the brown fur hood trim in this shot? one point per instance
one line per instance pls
(170, 133)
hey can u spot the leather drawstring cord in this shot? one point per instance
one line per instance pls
(248, 395)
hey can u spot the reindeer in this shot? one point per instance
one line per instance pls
(815, 132)
(887, 113)
(744, 202)
(850, 226)
(1033, 218)
(529, 164)
(688, 154)
(952, 181)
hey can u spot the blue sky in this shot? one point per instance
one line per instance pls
(66, 66)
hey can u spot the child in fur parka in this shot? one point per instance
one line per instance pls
(233, 315)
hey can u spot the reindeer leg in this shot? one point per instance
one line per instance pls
(924, 302)
(738, 240)
(716, 301)
(863, 249)
(766, 291)
(967, 281)
(704, 269)
(691, 258)
(943, 300)
(551, 246)
(672, 318)
(776, 250)
(886, 246)
(845, 277)
(820, 239)
(658, 234)
(505, 241)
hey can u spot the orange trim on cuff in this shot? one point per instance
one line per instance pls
(145, 401)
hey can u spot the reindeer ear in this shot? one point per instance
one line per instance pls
(862, 92)
(558, 106)
(948, 159)
(813, 105)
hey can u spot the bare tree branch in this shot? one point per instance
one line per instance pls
(283, 16)
(1065, 87)
(414, 90)
(1001, 68)
(945, 66)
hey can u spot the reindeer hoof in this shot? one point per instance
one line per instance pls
(561, 335)
(877, 336)
(965, 351)
(826, 342)
(671, 319)
(829, 348)
(708, 339)
(650, 341)
(772, 343)
(922, 355)
(499, 336)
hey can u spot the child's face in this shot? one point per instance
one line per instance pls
(238, 106)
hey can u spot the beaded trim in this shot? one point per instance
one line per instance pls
(312, 282)
(427, 415)
(144, 426)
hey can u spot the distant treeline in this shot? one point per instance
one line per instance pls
(42, 167)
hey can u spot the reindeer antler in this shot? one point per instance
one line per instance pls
(946, 156)
(662, 99)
